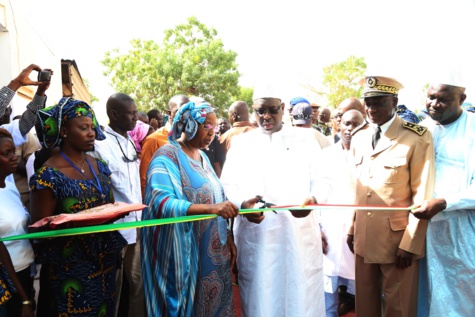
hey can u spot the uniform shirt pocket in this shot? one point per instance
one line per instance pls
(395, 170)
(398, 223)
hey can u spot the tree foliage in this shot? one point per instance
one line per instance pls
(245, 94)
(191, 60)
(340, 81)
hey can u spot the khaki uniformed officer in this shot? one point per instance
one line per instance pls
(397, 172)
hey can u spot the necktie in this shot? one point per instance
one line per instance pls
(376, 136)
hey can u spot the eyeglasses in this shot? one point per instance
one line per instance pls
(124, 157)
(271, 110)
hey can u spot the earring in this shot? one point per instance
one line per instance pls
(64, 136)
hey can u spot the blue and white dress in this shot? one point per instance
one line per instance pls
(185, 266)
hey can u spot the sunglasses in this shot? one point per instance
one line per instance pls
(272, 110)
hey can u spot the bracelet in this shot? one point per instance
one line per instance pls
(27, 302)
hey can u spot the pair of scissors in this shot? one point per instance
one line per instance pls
(265, 204)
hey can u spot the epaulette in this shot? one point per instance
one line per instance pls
(415, 127)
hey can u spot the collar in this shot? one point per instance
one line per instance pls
(109, 130)
(384, 127)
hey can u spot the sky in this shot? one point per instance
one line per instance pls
(282, 43)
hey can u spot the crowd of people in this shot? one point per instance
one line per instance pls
(373, 208)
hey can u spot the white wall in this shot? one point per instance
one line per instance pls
(22, 46)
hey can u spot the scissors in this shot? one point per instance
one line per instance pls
(265, 204)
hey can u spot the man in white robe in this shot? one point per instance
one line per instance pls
(336, 187)
(279, 254)
(447, 285)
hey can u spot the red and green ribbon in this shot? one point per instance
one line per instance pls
(167, 221)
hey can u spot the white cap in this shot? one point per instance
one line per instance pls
(265, 91)
(453, 77)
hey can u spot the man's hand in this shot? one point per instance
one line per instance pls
(43, 86)
(349, 241)
(23, 79)
(303, 213)
(430, 208)
(403, 259)
(257, 217)
(324, 243)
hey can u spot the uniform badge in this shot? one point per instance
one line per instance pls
(415, 127)
(371, 82)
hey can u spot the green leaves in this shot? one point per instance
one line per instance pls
(341, 79)
(191, 60)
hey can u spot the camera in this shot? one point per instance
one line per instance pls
(44, 75)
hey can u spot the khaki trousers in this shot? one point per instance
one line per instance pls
(398, 286)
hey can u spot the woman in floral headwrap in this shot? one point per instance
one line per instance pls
(186, 266)
(78, 273)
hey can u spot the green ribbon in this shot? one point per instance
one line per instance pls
(168, 221)
(128, 225)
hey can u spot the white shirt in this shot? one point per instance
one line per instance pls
(125, 175)
(14, 219)
(335, 187)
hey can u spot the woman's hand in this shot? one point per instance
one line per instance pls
(225, 209)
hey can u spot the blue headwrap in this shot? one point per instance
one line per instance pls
(408, 115)
(52, 118)
(187, 119)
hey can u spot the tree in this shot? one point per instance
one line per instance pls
(245, 94)
(340, 80)
(191, 60)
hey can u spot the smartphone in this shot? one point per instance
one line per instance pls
(44, 75)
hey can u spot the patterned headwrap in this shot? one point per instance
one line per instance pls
(52, 118)
(407, 114)
(187, 120)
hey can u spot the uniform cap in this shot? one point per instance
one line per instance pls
(375, 86)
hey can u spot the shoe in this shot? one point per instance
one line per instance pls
(346, 302)
(345, 308)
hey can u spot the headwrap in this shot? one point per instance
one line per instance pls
(52, 118)
(139, 133)
(407, 114)
(187, 119)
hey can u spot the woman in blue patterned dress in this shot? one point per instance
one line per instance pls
(78, 273)
(186, 266)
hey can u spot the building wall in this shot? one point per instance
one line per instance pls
(20, 46)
